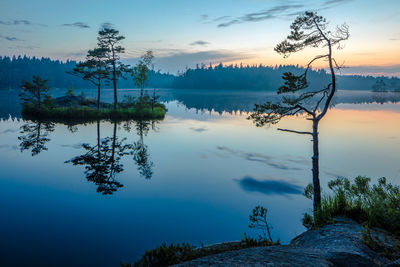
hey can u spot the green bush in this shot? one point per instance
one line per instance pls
(375, 205)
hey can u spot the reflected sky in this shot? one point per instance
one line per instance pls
(208, 171)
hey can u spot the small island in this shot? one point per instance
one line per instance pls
(80, 108)
(101, 66)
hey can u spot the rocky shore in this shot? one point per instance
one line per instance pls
(340, 244)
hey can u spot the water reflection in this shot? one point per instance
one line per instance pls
(35, 135)
(269, 187)
(102, 160)
(232, 101)
(385, 97)
(192, 182)
(141, 155)
(210, 100)
(270, 161)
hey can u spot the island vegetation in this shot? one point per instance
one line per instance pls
(102, 65)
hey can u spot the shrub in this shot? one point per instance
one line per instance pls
(258, 220)
(173, 254)
(375, 206)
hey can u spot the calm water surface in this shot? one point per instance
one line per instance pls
(100, 193)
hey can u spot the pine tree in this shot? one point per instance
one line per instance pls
(307, 30)
(94, 69)
(109, 39)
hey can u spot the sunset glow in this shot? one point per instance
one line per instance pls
(185, 33)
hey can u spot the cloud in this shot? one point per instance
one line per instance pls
(278, 11)
(20, 22)
(10, 38)
(21, 47)
(16, 22)
(107, 25)
(269, 187)
(204, 17)
(271, 13)
(221, 18)
(335, 2)
(81, 25)
(328, 4)
(208, 20)
(200, 42)
(173, 60)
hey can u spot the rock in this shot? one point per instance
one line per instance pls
(393, 263)
(338, 244)
(68, 100)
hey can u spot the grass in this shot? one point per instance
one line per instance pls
(166, 255)
(85, 113)
(376, 205)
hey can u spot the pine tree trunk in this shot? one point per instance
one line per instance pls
(115, 86)
(98, 95)
(315, 167)
(39, 100)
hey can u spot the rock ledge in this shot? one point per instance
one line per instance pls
(338, 244)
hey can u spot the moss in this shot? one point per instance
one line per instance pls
(84, 113)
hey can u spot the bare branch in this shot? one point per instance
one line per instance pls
(314, 59)
(320, 100)
(305, 109)
(293, 131)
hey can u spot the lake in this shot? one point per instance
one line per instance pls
(193, 177)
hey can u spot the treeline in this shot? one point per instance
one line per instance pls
(266, 78)
(14, 70)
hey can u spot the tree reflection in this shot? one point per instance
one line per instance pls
(140, 153)
(102, 161)
(35, 135)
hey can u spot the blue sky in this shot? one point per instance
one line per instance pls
(183, 33)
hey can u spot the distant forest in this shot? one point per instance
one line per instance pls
(17, 69)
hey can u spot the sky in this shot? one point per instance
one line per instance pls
(184, 33)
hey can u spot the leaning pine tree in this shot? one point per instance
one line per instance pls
(307, 30)
(94, 69)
